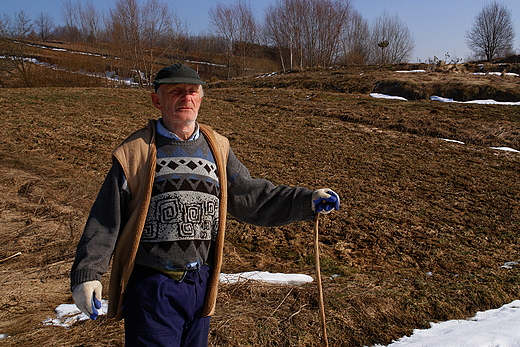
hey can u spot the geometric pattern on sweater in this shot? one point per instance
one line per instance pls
(183, 214)
(174, 174)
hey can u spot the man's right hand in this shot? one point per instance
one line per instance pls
(87, 297)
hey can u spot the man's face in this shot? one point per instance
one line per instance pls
(179, 103)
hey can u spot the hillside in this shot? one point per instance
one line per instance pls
(424, 228)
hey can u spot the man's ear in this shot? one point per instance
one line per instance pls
(156, 101)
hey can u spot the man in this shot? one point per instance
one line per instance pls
(161, 213)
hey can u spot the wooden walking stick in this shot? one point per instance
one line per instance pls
(320, 288)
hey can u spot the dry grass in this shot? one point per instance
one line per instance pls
(411, 204)
(73, 65)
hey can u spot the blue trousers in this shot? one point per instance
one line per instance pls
(160, 311)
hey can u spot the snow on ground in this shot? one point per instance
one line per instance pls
(388, 97)
(492, 328)
(481, 102)
(441, 99)
(497, 74)
(475, 73)
(455, 141)
(438, 98)
(68, 314)
(277, 278)
(507, 149)
(411, 71)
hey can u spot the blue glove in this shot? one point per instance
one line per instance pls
(96, 305)
(325, 200)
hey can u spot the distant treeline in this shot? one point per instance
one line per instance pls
(293, 34)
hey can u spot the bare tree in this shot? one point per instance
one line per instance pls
(237, 25)
(356, 40)
(82, 21)
(22, 26)
(89, 22)
(5, 26)
(44, 25)
(137, 32)
(326, 25)
(492, 33)
(70, 16)
(307, 32)
(12, 33)
(160, 30)
(7, 46)
(281, 32)
(126, 34)
(392, 37)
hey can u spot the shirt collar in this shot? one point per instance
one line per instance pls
(161, 130)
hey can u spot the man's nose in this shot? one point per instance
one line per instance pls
(186, 95)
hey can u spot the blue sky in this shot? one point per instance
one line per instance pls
(438, 27)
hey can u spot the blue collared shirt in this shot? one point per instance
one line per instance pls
(161, 130)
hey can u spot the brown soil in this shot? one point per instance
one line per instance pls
(424, 227)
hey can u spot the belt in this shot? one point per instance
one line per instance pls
(179, 274)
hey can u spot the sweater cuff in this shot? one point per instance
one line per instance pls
(81, 276)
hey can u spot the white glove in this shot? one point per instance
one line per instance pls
(87, 297)
(325, 200)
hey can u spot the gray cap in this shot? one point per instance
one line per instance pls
(177, 73)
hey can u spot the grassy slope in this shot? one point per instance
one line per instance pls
(412, 204)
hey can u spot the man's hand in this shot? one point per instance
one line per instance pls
(325, 200)
(87, 297)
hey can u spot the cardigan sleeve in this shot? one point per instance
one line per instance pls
(260, 202)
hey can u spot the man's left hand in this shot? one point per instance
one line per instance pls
(325, 200)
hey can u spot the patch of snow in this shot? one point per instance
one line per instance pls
(277, 278)
(507, 149)
(482, 102)
(270, 74)
(496, 327)
(453, 141)
(204, 63)
(389, 97)
(411, 71)
(441, 99)
(68, 314)
(496, 74)
(510, 264)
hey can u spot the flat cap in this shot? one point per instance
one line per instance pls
(177, 73)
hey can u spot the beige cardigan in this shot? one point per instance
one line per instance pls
(137, 157)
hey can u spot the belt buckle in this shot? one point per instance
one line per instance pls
(193, 267)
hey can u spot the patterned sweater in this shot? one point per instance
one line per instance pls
(183, 214)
